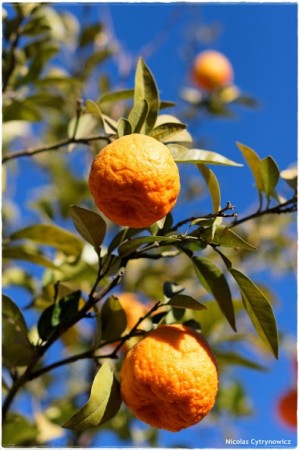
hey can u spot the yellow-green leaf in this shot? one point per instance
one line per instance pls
(116, 96)
(185, 302)
(113, 319)
(182, 154)
(138, 115)
(89, 224)
(254, 163)
(270, 174)
(224, 236)
(103, 403)
(212, 183)
(29, 254)
(123, 127)
(165, 131)
(259, 310)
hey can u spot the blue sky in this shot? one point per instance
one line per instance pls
(261, 42)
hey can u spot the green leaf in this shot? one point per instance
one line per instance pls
(123, 127)
(171, 289)
(146, 89)
(254, 163)
(13, 314)
(51, 235)
(212, 183)
(117, 96)
(214, 281)
(182, 136)
(107, 123)
(131, 245)
(225, 237)
(21, 110)
(89, 225)
(236, 359)
(290, 175)
(89, 33)
(29, 254)
(259, 310)
(182, 154)
(114, 319)
(95, 59)
(166, 130)
(103, 403)
(185, 302)
(138, 115)
(18, 431)
(270, 174)
(87, 124)
(166, 104)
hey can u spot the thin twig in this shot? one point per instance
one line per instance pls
(45, 148)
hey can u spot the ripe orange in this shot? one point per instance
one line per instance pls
(133, 308)
(287, 408)
(212, 70)
(134, 181)
(169, 379)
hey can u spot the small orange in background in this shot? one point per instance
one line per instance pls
(287, 408)
(212, 70)
(134, 181)
(133, 308)
(169, 379)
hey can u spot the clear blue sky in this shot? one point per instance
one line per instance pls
(261, 42)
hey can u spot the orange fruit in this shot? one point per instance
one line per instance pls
(169, 379)
(287, 408)
(133, 308)
(134, 181)
(212, 70)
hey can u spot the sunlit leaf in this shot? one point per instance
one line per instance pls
(182, 154)
(89, 224)
(103, 403)
(13, 314)
(290, 175)
(212, 183)
(214, 281)
(185, 302)
(254, 163)
(259, 310)
(146, 89)
(138, 115)
(226, 237)
(117, 96)
(113, 318)
(123, 127)
(27, 253)
(132, 244)
(270, 174)
(87, 124)
(51, 235)
(166, 130)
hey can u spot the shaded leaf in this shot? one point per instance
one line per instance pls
(270, 174)
(113, 318)
(16, 348)
(166, 104)
(131, 245)
(123, 127)
(89, 33)
(138, 115)
(146, 89)
(18, 431)
(87, 124)
(259, 310)
(51, 235)
(21, 110)
(214, 281)
(103, 403)
(186, 302)
(182, 136)
(239, 360)
(212, 183)
(171, 289)
(224, 236)
(182, 154)
(90, 225)
(13, 314)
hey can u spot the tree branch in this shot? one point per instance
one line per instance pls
(45, 148)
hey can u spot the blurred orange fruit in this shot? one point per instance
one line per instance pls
(169, 379)
(133, 308)
(212, 70)
(134, 181)
(287, 408)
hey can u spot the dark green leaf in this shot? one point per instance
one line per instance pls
(103, 403)
(114, 319)
(138, 116)
(13, 314)
(123, 127)
(259, 310)
(212, 183)
(225, 237)
(182, 154)
(51, 235)
(90, 225)
(21, 110)
(167, 130)
(171, 289)
(146, 89)
(131, 245)
(185, 302)
(45, 327)
(214, 281)
(26, 253)
(166, 104)
(270, 174)
(117, 96)
(89, 33)
(16, 348)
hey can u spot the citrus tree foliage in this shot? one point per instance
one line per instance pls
(72, 263)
